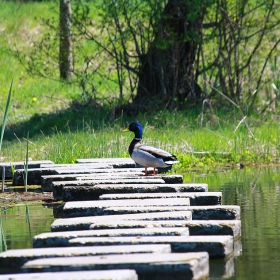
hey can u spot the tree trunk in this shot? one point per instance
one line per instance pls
(65, 47)
(167, 70)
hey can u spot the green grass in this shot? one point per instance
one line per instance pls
(31, 94)
(174, 132)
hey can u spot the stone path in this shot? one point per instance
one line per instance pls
(119, 224)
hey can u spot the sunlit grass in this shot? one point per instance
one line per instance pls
(196, 148)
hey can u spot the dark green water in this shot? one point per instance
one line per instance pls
(20, 223)
(256, 190)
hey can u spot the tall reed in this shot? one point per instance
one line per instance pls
(26, 163)
(6, 115)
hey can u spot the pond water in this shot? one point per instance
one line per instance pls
(256, 190)
(20, 223)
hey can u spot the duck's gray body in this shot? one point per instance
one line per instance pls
(151, 157)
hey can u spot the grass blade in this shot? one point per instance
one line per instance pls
(6, 114)
(26, 163)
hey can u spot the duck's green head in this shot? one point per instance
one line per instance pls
(135, 127)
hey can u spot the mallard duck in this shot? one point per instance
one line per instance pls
(147, 156)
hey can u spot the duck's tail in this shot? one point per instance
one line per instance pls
(171, 160)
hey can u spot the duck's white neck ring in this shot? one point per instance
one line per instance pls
(138, 139)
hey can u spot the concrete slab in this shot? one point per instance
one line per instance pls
(80, 170)
(34, 174)
(93, 192)
(61, 239)
(177, 266)
(196, 198)
(12, 260)
(20, 165)
(80, 190)
(217, 246)
(122, 163)
(120, 274)
(198, 227)
(219, 212)
(47, 181)
(104, 160)
(85, 222)
(95, 208)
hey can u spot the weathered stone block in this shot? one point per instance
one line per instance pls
(71, 193)
(98, 207)
(196, 227)
(20, 165)
(61, 239)
(12, 260)
(177, 266)
(196, 198)
(216, 246)
(85, 222)
(219, 212)
(121, 274)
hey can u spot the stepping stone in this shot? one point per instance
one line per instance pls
(112, 160)
(98, 207)
(121, 274)
(197, 198)
(104, 160)
(198, 227)
(177, 266)
(61, 239)
(217, 246)
(20, 165)
(34, 174)
(12, 260)
(47, 181)
(79, 170)
(70, 193)
(83, 223)
(115, 162)
(94, 208)
(80, 190)
(219, 212)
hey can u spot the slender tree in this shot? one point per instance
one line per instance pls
(65, 47)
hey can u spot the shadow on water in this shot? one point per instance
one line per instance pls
(256, 190)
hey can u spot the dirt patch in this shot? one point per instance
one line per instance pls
(18, 195)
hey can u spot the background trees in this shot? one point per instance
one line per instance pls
(168, 54)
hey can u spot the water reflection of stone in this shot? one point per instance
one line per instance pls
(237, 247)
(222, 268)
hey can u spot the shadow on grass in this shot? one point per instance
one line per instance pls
(76, 117)
(79, 117)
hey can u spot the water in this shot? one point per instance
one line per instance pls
(20, 223)
(256, 190)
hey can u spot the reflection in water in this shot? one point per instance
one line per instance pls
(257, 192)
(18, 225)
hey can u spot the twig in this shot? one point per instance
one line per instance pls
(240, 123)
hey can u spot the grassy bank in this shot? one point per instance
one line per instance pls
(90, 134)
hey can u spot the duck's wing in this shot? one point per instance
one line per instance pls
(158, 153)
